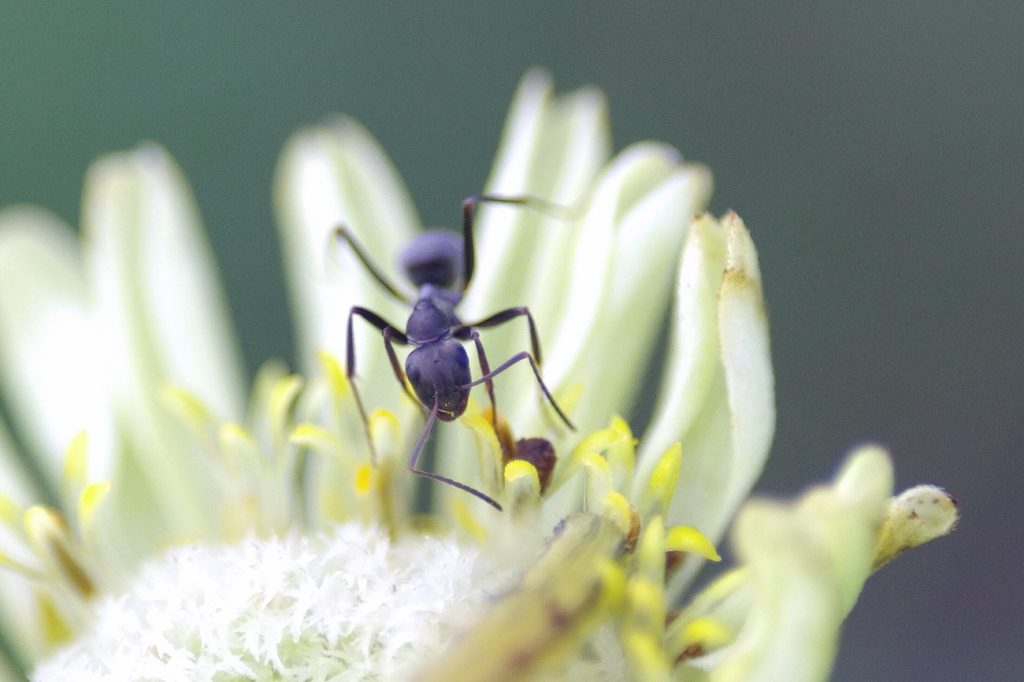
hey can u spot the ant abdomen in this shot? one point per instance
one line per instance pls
(439, 372)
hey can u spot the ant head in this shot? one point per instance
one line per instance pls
(433, 258)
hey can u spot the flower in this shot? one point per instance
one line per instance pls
(297, 550)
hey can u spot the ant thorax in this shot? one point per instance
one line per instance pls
(433, 315)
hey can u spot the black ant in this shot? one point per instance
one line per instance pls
(440, 265)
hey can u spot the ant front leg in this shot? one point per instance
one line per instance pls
(437, 477)
(469, 211)
(342, 233)
(391, 335)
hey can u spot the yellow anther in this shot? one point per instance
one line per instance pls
(613, 585)
(662, 485)
(237, 446)
(313, 437)
(686, 539)
(569, 397)
(190, 408)
(88, 501)
(621, 456)
(647, 662)
(55, 629)
(48, 536)
(651, 554)
(364, 479)
(519, 469)
(699, 637)
(712, 632)
(599, 482)
(464, 517)
(598, 463)
(597, 442)
(76, 461)
(10, 514)
(384, 430)
(646, 610)
(488, 449)
(335, 375)
(282, 397)
(618, 510)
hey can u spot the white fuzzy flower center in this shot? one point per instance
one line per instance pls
(349, 606)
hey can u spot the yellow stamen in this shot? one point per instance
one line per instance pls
(686, 539)
(662, 486)
(76, 461)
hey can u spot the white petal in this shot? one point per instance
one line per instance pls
(328, 176)
(48, 348)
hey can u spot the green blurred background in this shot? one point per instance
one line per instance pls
(875, 152)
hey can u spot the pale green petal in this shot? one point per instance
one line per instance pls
(155, 278)
(692, 370)
(746, 358)
(9, 671)
(718, 399)
(612, 360)
(551, 148)
(20, 617)
(164, 321)
(593, 257)
(923, 513)
(807, 565)
(327, 176)
(19, 623)
(48, 346)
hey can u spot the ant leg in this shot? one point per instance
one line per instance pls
(437, 477)
(536, 372)
(469, 209)
(396, 366)
(350, 360)
(485, 368)
(504, 316)
(343, 233)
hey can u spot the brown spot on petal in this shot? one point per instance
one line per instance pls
(695, 650)
(673, 560)
(74, 571)
(634, 530)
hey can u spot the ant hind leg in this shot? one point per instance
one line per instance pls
(536, 372)
(437, 477)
